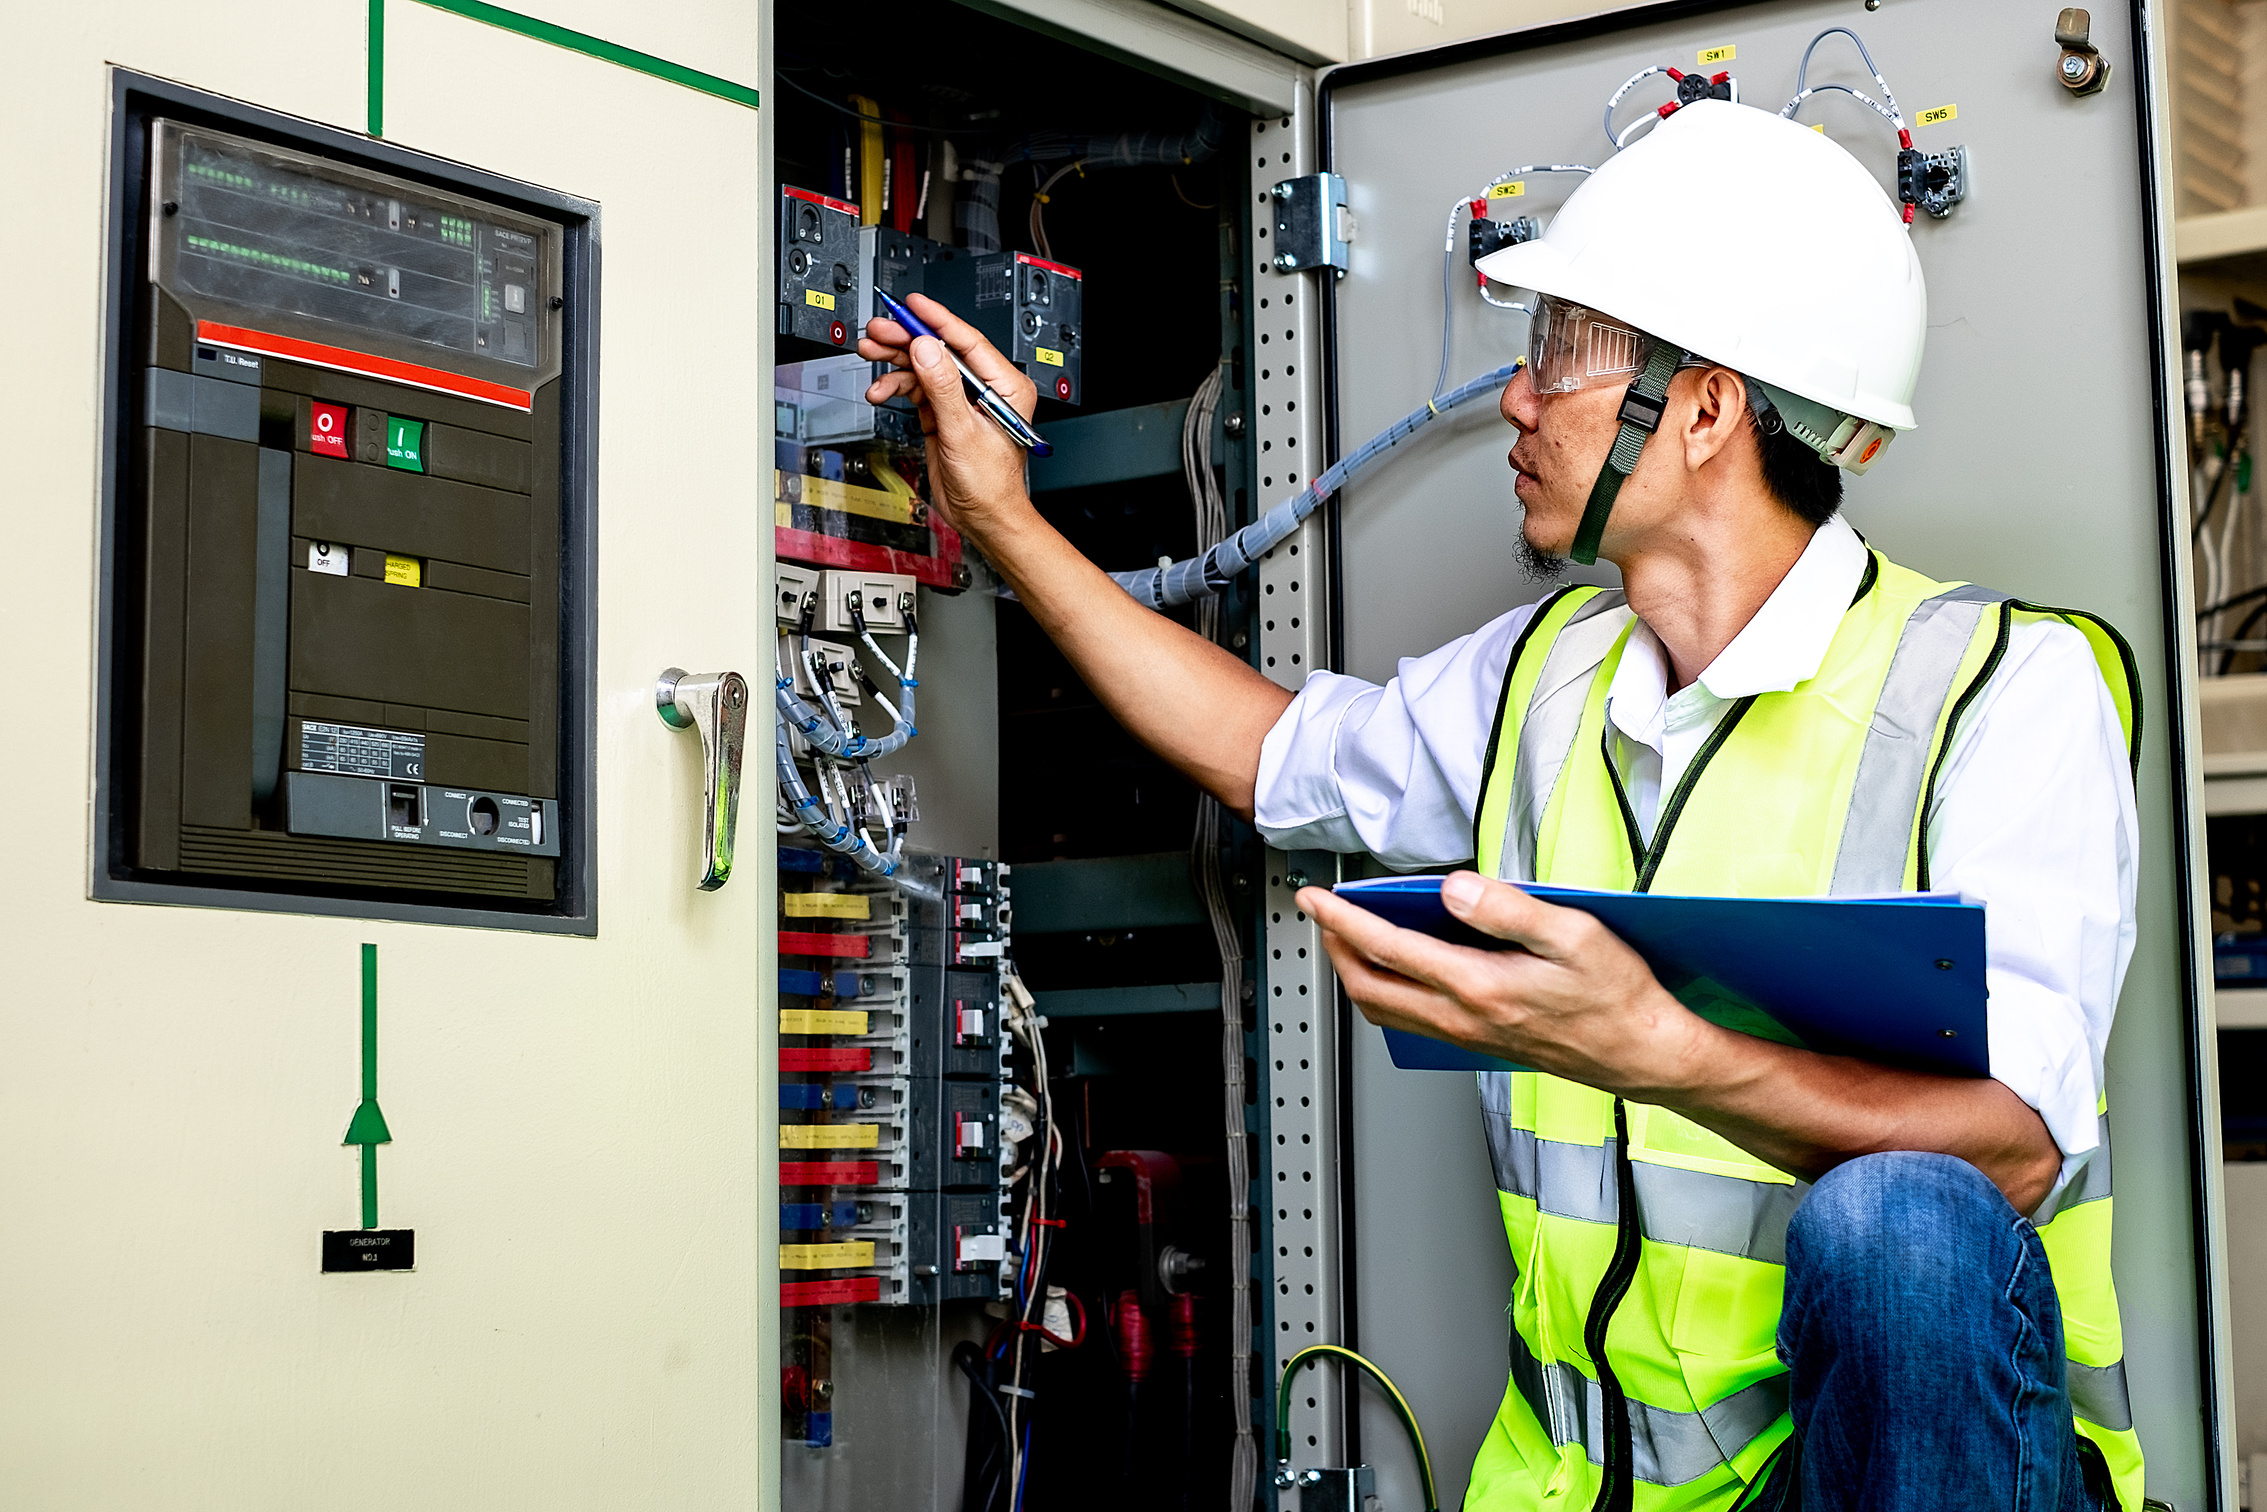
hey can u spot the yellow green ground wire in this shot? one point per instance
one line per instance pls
(1401, 1407)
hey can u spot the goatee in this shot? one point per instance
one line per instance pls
(1540, 566)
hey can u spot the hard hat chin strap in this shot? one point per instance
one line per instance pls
(1642, 405)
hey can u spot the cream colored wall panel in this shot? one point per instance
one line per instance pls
(1390, 26)
(1313, 31)
(579, 1124)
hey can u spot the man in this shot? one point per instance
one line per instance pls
(1731, 315)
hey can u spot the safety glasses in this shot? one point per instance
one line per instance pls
(1571, 346)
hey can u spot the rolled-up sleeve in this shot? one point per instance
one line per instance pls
(1392, 770)
(2036, 820)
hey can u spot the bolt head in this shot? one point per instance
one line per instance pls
(2073, 66)
(1295, 880)
(1283, 190)
(1283, 262)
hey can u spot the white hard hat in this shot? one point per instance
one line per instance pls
(1752, 242)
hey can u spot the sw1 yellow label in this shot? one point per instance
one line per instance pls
(1512, 190)
(1724, 54)
(843, 1256)
(830, 1136)
(818, 300)
(822, 905)
(823, 1021)
(405, 572)
(1938, 116)
(1048, 355)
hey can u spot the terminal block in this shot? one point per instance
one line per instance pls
(823, 296)
(1934, 181)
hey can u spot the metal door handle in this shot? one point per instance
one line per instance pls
(716, 705)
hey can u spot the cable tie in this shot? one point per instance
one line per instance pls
(1022, 1391)
(1051, 1222)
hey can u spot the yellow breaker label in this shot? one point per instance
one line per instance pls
(824, 1020)
(1724, 54)
(818, 300)
(826, 1256)
(1938, 116)
(405, 572)
(819, 905)
(847, 498)
(1512, 190)
(1048, 355)
(850, 1136)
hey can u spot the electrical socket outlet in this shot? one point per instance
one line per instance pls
(878, 594)
(791, 584)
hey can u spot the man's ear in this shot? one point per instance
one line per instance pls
(1720, 421)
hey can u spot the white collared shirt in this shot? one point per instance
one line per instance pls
(2033, 816)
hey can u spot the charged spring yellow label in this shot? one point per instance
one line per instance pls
(1512, 190)
(818, 300)
(823, 905)
(405, 572)
(1938, 116)
(826, 1256)
(1048, 355)
(823, 1021)
(1724, 54)
(853, 1136)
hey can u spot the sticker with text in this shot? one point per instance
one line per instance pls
(1724, 54)
(322, 556)
(1938, 116)
(1512, 190)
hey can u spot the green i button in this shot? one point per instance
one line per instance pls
(405, 444)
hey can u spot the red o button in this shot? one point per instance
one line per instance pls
(1062, 388)
(326, 430)
(839, 332)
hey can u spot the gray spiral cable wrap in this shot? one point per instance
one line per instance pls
(1206, 576)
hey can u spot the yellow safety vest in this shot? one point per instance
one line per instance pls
(1820, 790)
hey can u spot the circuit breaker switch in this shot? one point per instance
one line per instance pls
(970, 1136)
(977, 1249)
(969, 1025)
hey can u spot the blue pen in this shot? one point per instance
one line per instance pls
(986, 399)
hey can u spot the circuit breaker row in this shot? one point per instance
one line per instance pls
(893, 1071)
(1029, 307)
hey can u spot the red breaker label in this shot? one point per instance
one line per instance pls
(821, 1173)
(825, 1058)
(829, 1293)
(368, 364)
(1026, 259)
(818, 199)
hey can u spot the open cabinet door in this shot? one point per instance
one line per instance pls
(2043, 465)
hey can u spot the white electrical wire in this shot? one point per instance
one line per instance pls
(1211, 526)
(1615, 99)
(1456, 210)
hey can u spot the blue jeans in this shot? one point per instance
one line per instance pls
(1925, 1350)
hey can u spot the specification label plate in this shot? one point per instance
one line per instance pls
(353, 751)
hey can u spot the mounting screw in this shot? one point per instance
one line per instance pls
(2073, 66)
(1295, 880)
(1233, 425)
(1283, 262)
(173, 207)
(557, 303)
(1943, 965)
(1872, 5)
(1283, 190)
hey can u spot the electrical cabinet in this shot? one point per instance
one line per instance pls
(348, 639)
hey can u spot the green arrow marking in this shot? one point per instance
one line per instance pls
(367, 1127)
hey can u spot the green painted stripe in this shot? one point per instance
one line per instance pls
(596, 47)
(370, 1074)
(377, 51)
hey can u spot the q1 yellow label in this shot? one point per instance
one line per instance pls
(822, 905)
(405, 572)
(1938, 116)
(1048, 355)
(823, 1021)
(842, 1256)
(818, 299)
(1724, 54)
(1512, 190)
(830, 1136)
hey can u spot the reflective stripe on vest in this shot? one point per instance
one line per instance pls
(1823, 790)
(1670, 1448)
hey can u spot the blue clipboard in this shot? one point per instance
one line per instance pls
(1897, 980)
